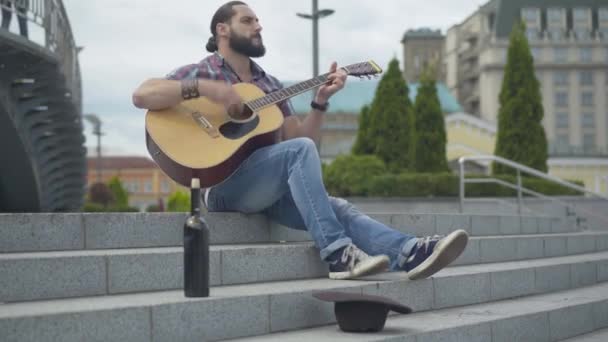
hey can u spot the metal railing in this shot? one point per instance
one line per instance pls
(51, 16)
(519, 168)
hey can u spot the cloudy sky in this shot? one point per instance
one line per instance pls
(127, 41)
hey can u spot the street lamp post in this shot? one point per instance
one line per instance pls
(315, 16)
(92, 118)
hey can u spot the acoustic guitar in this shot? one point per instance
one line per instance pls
(197, 138)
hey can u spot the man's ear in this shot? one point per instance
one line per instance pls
(222, 29)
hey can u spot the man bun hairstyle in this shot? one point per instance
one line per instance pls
(222, 15)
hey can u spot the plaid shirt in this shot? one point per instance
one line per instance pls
(214, 67)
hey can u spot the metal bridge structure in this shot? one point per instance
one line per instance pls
(42, 152)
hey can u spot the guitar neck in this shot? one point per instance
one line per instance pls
(285, 93)
(359, 70)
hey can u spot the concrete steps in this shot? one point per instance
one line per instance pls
(597, 336)
(254, 309)
(115, 277)
(548, 317)
(61, 274)
(48, 232)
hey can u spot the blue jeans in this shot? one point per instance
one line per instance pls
(284, 182)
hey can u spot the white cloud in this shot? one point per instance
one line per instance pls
(127, 41)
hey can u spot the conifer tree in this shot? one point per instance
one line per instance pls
(364, 143)
(392, 121)
(521, 136)
(430, 127)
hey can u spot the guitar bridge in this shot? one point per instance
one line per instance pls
(200, 119)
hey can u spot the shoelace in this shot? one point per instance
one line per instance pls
(354, 253)
(426, 242)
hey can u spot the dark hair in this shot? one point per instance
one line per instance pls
(222, 15)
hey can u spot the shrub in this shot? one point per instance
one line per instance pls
(349, 174)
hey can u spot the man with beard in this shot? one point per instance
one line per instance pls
(284, 181)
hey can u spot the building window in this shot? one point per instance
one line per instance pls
(562, 139)
(132, 186)
(560, 55)
(581, 17)
(147, 186)
(582, 34)
(588, 141)
(536, 53)
(588, 120)
(562, 120)
(531, 16)
(556, 34)
(532, 34)
(561, 99)
(555, 17)
(586, 54)
(603, 16)
(586, 77)
(164, 186)
(587, 98)
(560, 78)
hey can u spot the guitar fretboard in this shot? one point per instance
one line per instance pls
(286, 93)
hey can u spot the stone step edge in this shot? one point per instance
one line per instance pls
(108, 272)
(595, 336)
(148, 299)
(114, 231)
(535, 318)
(255, 245)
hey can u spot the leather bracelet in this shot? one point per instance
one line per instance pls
(190, 88)
(319, 107)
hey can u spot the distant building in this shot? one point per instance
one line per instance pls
(421, 48)
(469, 135)
(141, 177)
(569, 42)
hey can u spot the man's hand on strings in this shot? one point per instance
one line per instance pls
(337, 78)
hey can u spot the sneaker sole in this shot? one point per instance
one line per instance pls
(449, 249)
(373, 265)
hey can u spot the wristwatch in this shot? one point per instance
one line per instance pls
(319, 107)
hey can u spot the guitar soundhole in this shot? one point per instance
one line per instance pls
(232, 130)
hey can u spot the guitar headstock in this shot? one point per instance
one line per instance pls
(364, 69)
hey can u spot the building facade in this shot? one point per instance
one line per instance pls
(144, 181)
(569, 43)
(422, 48)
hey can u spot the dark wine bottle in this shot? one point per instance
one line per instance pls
(196, 247)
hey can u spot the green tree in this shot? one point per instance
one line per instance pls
(392, 121)
(121, 197)
(100, 194)
(430, 127)
(364, 144)
(521, 136)
(179, 201)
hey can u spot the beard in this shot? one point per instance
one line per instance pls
(245, 46)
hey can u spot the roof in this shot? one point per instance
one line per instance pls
(449, 104)
(424, 32)
(510, 11)
(126, 162)
(356, 94)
